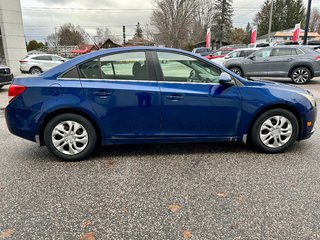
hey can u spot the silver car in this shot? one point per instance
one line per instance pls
(39, 63)
(300, 63)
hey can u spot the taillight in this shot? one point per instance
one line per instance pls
(14, 91)
(23, 61)
(317, 58)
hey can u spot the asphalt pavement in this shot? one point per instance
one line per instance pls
(160, 191)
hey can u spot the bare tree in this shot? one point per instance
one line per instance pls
(204, 17)
(315, 20)
(102, 34)
(172, 20)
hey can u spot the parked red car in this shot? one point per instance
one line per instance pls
(220, 53)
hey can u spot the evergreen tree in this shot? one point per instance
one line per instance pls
(223, 19)
(286, 13)
(139, 31)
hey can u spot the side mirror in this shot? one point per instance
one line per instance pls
(226, 57)
(252, 57)
(225, 79)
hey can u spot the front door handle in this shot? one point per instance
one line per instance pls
(102, 94)
(175, 97)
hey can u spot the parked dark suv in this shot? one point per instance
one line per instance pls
(5, 76)
(297, 62)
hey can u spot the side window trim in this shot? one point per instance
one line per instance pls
(149, 61)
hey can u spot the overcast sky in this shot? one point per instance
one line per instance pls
(39, 22)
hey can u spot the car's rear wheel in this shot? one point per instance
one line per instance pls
(275, 131)
(300, 75)
(70, 136)
(35, 70)
(237, 71)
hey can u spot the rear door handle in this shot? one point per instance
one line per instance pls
(102, 94)
(175, 97)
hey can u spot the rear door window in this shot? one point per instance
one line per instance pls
(276, 52)
(43, 58)
(127, 66)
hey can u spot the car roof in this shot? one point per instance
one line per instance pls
(54, 72)
(42, 54)
(245, 49)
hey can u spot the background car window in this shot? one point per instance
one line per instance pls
(90, 69)
(217, 53)
(128, 66)
(181, 68)
(262, 53)
(234, 54)
(43, 58)
(283, 52)
(56, 58)
(246, 53)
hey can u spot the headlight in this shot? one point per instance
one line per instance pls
(310, 97)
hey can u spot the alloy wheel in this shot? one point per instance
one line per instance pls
(300, 76)
(69, 137)
(276, 131)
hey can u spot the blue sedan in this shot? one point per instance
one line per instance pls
(153, 95)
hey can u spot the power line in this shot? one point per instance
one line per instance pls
(112, 10)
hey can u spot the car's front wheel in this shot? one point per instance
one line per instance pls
(70, 136)
(275, 131)
(300, 75)
(237, 71)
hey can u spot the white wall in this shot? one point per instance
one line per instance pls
(12, 33)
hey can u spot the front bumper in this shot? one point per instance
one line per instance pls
(307, 131)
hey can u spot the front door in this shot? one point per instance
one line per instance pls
(193, 102)
(124, 95)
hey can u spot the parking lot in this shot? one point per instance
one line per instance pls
(160, 191)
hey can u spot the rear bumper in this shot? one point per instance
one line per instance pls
(21, 122)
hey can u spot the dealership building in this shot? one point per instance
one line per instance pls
(12, 40)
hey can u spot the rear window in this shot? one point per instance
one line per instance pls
(73, 73)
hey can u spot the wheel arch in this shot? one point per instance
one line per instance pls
(57, 112)
(289, 108)
(35, 67)
(237, 66)
(307, 66)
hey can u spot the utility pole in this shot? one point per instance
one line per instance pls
(124, 35)
(306, 30)
(270, 22)
(56, 39)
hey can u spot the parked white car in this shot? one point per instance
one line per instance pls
(238, 53)
(39, 63)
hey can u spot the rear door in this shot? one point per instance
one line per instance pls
(124, 94)
(280, 62)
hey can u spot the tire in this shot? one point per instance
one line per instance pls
(237, 71)
(271, 126)
(300, 75)
(70, 145)
(35, 70)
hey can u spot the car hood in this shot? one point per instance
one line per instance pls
(276, 86)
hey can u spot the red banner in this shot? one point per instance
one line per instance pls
(253, 35)
(208, 38)
(296, 33)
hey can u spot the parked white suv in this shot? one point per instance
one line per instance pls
(39, 63)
